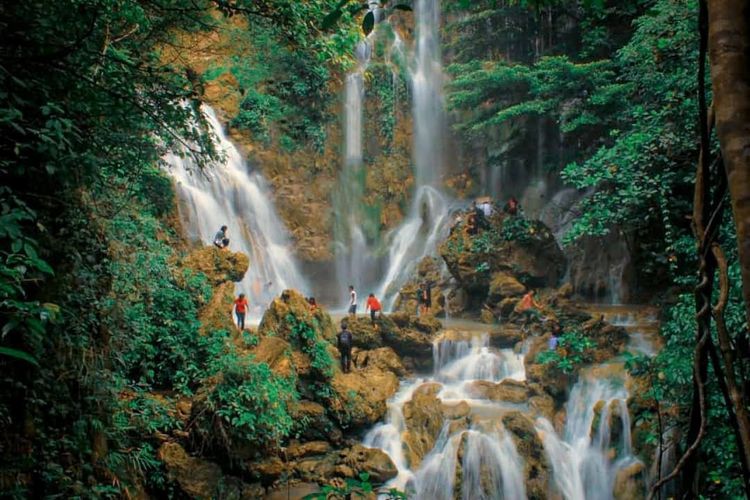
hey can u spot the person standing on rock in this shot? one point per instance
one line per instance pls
(373, 305)
(420, 300)
(220, 239)
(352, 301)
(240, 309)
(344, 343)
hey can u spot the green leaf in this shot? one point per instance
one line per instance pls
(17, 354)
(331, 19)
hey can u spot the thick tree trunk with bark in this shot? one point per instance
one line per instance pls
(729, 56)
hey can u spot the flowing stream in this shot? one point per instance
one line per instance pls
(479, 460)
(230, 193)
(488, 447)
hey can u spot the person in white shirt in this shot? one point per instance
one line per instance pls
(352, 301)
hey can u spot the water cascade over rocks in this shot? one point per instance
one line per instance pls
(483, 448)
(428, 217)
(581, 461)
(230, 194)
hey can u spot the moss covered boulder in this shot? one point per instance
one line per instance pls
(536, 466)
(219, 265)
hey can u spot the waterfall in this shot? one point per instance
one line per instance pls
(581, 462)
(487, 447)
(427, 220)
(354, 258)
(228, 193)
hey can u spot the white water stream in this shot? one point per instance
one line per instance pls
(488, 447)
(584, 459)
(582, 465)
(230, 193)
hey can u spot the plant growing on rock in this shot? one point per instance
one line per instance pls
(574, 349)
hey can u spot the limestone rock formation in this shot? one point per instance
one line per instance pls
(218, 265)
(524, 249)
(199, 478)
(360, 396)
(423, 417)
(536, 467)
(383, 359)
(509, 390)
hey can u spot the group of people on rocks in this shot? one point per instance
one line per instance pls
(481, 210)
(372, 304)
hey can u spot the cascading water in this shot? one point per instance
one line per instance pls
(488, 448)
(229, 194)
(581, 461)
(428, 217)
(354, 258)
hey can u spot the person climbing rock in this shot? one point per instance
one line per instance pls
(352, 301)
(427, 296)
(373, 305)
(528, 308)
(240, 309)
(420, 300)
(344, 343)
(220, 239)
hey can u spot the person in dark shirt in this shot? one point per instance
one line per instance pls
(220, 239)
(344, 343)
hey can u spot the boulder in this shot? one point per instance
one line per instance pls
(217, 314)
(371, 460)
(509, 390)
(219, 266)
(504, 285)
(293, 305)
(423, 418)
(630, 482)
(383, 359)
(536, 467)
(360, 397)
(297, 450)
(317, 424)
(407, 335)
(506, 336)
(531, 255)
(275, 352)
(199, 478)
(295, 490)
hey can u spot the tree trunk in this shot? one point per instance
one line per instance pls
(729, 56)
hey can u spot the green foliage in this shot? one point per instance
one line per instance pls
(306, 337)
(517, 228)
(574, 349)
(154, 308)
(251, 402)
(355, 488)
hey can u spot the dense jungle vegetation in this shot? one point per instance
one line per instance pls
(101, 319)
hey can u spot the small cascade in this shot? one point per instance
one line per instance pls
(585, 461)
(230, 194)
(416, 238)
(488, 451)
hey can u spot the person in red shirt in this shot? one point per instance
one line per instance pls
(240, 309)
(373, 305)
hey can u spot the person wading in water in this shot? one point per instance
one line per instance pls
(344, 343)
(240, 309)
